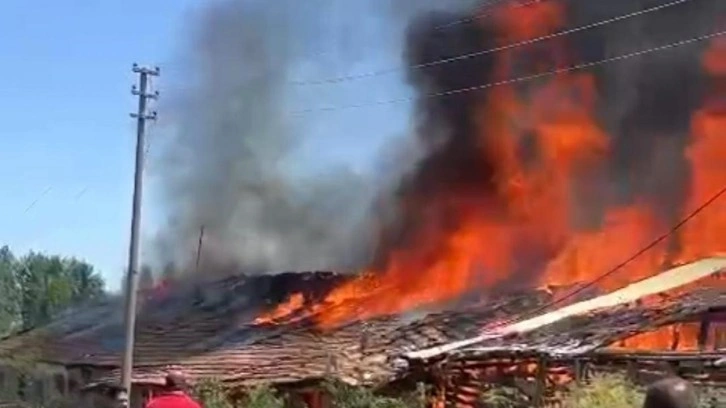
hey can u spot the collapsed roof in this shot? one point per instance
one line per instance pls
(208, 330)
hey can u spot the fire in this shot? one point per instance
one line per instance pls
(537, 215)
(623, 230)
(676, 337)
(704, 235)
(295, 302)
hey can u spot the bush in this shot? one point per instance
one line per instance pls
(263, 397)
(346, 396)
(502, 397)
(711, 397)
(213, 394)
(605, 391)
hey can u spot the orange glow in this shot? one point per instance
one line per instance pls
(676, 337)
(704, 236)
(623, 230)
(714, 61)
(295, 302)
(530, 20)
(535, 219)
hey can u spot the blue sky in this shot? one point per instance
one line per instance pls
(68, 141)
(66, 131)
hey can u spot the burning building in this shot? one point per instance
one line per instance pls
(214, 330)
(570, 151)
(555, 152)
(671, 324)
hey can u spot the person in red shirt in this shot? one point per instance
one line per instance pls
(174, 394)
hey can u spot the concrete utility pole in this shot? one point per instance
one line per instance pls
(132, 281)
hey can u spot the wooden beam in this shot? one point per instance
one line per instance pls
(675, 336)
(703, 331)
(580, 370)
(631, 371)
(541, 384)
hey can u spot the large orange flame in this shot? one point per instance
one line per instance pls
(676, 337)
(537, 205)
(704, 235)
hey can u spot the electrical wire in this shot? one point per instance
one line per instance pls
(488, 12)
(524, 43)
(40, 197)
(515, 80)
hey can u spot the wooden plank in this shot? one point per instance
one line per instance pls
(541, 384)
(703, 331)
(580, 370)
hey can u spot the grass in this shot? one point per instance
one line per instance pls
(605, 391)
(347, 396)
(600, 391)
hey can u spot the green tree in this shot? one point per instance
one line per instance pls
(9, 292)
(86, 284)
(48, 285)
(42, 288)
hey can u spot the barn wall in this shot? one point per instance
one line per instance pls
(37, 384)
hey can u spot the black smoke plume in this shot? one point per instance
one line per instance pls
(644, 105)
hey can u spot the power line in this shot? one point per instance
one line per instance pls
(526, 78)
(528, 42)
(486, 6)
(480, 15)
(78, 196)
(40, 197)
(622, 264)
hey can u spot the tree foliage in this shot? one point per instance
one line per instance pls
(263, 396)
(9, 292)
(36, 287)
(212, 394)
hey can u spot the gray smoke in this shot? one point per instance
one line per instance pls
(646, 103)
(232, 165)
(228, 167)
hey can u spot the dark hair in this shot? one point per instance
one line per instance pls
(175, 381)
(670, 393)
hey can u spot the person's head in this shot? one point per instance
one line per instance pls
(670, 393)
(175, 381)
